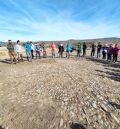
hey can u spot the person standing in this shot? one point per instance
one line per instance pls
(61, 50)
(28, 51)
(115, 52)
(53, 47)
(44, 50)
(78, 49)
(93, 49)
(69, 49)
(32, 50)
(99, 47)
(18, 49)
(109, 52)
(11, 50)
(37, 49)
(104, 51)
(84, 48)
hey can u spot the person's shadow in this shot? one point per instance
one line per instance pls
(77, 126)
(5, 61)
(1, 127)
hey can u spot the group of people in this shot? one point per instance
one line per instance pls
(109, 53)
(15, 50)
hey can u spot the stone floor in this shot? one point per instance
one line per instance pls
(60, 94)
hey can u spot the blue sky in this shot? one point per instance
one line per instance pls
(59, 19)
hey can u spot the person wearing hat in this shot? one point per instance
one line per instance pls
(11, 51)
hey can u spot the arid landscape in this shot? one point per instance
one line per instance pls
(75, 93)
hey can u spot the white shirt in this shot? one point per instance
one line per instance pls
(32, 47)
(18, 48)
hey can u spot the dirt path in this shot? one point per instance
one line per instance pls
(54, 93)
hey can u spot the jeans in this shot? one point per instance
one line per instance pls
(98, 54)
(37, 54)
(29, 56)
(109, 56)
(78, 53)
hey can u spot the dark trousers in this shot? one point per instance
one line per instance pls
(61, 54)
(109, 56)
(37, 54)
(115, 56)
(84, 52)
(92, 52)
(104, 55)
(32, 54)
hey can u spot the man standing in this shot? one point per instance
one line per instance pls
(32, 50)
(99, 47)
(37, 49)
(43, 45)
(93, 49)
(28, 51)
(11, 50)
(84, 48)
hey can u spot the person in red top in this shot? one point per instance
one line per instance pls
(115, 52)
(53, 47)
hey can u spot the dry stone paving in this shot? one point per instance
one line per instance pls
(59, 94)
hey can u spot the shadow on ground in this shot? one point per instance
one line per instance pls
(104, 62)
(77, 126)
(110, 74)
(5, 61)
(115, 105)
(1, 127)
(110, 71)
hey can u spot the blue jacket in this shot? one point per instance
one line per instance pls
(28, 47)
(69, 47)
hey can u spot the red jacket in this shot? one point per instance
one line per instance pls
(116, 50)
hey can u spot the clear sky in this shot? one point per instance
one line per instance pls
(59, 19)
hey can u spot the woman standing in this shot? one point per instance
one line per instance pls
(18, 49)
(115, 52)
(53, 47)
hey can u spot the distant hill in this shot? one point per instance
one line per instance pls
(2, 43)
(111, 40)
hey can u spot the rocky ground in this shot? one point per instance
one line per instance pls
(60, 94)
